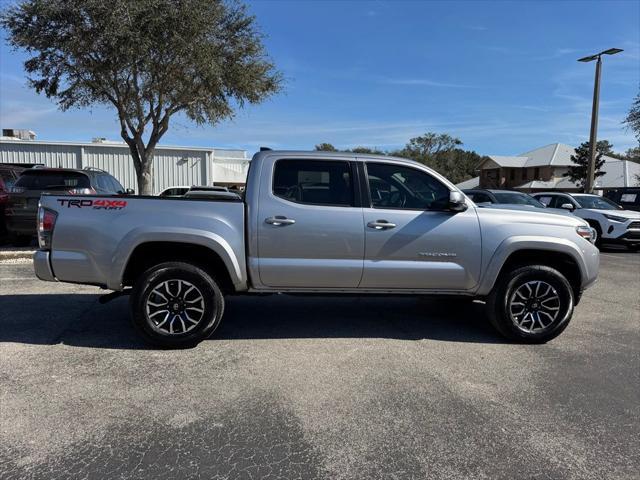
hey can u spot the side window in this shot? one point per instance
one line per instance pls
(116, 187)
(103, 183)
(482, 198)
(546, 200)
(314, 182)
(395, 186)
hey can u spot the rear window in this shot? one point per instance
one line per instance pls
(38, 180)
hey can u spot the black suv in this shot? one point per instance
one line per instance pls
(22, 208)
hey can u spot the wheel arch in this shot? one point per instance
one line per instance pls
(559, 254)
(147, 254)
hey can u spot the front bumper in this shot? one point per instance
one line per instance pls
(623, 232)
(42, 266)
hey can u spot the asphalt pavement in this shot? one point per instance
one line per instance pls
(318, 387)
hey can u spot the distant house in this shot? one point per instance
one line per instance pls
(544, 169)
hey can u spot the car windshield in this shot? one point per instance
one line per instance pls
(42, 179)
(599, 203)
(517, 199)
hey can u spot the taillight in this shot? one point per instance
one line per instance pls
(46, 223)
(82, 191)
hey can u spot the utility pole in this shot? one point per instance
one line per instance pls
(593, 135)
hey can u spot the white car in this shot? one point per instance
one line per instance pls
(612, 223)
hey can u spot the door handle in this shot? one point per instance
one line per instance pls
(381, 225)
(279, 221)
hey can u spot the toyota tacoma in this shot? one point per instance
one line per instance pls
(318, 223)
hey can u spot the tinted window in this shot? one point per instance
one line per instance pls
(42, 179)
(481, 198)
(314, 182)
(394, 186)
(547, 200)
(515, 198)
(596, 202)
(104, 183)
(115, 185)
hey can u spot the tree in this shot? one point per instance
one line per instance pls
(632, 154)
(426, 148)
(367, 150)
(578, 173)
(325, 147)
(150, 59)
(633, 117)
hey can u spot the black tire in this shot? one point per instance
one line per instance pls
(634, 247)
(504, 292)
(179, 277)
(596, 226)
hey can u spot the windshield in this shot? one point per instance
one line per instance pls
(600, 203)
(41, 179)
(517, 199)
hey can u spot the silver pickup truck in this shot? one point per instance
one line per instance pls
(315, 222)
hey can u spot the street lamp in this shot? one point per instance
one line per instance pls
(594, 115)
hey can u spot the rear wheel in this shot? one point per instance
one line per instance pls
(176, 305)
(531, 304)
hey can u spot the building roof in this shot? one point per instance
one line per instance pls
(467, 184)
(618, 173)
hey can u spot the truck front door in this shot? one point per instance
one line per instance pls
(412, 240)
(310, 232)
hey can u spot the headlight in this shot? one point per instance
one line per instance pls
(586, 232)
(615, 218)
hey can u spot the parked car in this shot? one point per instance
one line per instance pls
(319, 222)
(212, 194)
(179, 191)
(612, 223)
(627, 197)
(22, 207)
(8, 176)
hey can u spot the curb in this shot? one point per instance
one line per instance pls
(16, 255)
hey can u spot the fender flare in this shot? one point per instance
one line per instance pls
(139, 236)
(522, 242)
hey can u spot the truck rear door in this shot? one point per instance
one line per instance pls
(309, 227)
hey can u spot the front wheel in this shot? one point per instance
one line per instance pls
(176, 305)
(531, 304)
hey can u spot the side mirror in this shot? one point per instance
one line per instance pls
(457, 202)
(129, 191)
(568, 206)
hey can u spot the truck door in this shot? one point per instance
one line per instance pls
(310, 232)
(412, 240)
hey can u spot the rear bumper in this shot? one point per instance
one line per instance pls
(42, 266)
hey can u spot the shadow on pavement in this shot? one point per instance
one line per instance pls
(79, 320)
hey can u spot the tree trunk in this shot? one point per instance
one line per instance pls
(145, 175)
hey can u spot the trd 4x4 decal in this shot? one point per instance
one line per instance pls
(100, 204)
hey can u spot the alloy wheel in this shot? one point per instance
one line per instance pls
(175, 307)
(534, 306)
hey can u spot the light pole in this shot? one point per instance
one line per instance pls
(588, 187)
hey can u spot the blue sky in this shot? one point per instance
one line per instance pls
(501, 76)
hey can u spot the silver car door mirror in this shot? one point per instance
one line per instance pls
(457, 202)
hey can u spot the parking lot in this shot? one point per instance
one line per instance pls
(320, 387)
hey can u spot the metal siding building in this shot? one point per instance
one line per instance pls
(171, 165)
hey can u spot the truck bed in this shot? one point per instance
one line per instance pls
(95, 236)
